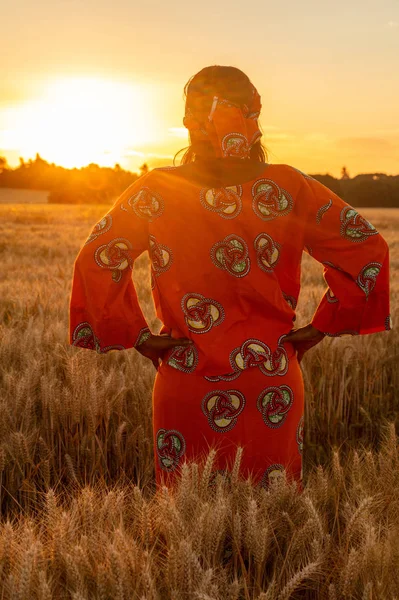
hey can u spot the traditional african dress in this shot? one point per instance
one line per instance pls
(225, 270)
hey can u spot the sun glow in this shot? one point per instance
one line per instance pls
(76, 121)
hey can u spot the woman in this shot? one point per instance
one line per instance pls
(225, 233)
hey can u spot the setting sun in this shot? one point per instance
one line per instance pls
(81, 120)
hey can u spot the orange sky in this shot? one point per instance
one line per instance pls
(102, 82)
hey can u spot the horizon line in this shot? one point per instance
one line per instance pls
(28, 160)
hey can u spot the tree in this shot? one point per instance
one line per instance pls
(344, 173)
(3, 164)
(144, 169)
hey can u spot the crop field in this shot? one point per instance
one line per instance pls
(80, 515)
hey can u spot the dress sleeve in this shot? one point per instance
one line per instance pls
(355, 257)
(104, 310)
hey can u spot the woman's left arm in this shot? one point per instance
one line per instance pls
(104, 310)
(356, 264)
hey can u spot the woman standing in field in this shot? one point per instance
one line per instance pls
(225, 233)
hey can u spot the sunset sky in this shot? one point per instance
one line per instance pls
(96, 81)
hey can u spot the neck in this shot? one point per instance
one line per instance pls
(220, 173)
(220, 161)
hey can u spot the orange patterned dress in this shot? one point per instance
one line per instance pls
(225, 271)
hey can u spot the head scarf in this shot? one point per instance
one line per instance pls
(231, 128)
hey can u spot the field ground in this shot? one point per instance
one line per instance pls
(80, 517)
(13, 196)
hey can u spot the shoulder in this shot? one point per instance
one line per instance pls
(166, 168)
(150, 179)
(160, 174)
(163, 171)
(291, 172)
(289, 178)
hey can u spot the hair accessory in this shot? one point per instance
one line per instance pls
(214, 104)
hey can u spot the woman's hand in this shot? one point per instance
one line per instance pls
(304, 338)
(156, 346)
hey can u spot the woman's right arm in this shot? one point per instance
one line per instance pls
(105, 313)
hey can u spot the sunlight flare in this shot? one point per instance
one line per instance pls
(81, 120)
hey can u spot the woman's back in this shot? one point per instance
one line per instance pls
(226, 263)
(219, 269)
(225, 233)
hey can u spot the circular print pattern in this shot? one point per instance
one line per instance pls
(273, 475)
(367, 277)
(161, 256)
(200, 313)
(254, 353)
(171, 446)
(115, 256)
(354, 227)
(226, 201)
(274, 404)
(147, 204)
(235, 144)
(222, 408)
(101, 227)
(231, 255)
(269, 200)
(183, 358)
(267, 252)
(83, 336)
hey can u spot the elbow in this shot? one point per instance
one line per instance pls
(381, 247)
(385, 249)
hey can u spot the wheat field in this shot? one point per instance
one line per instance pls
(81, 518)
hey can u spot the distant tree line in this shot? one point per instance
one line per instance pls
(368, 189)
(94, 184)
(87, 185)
